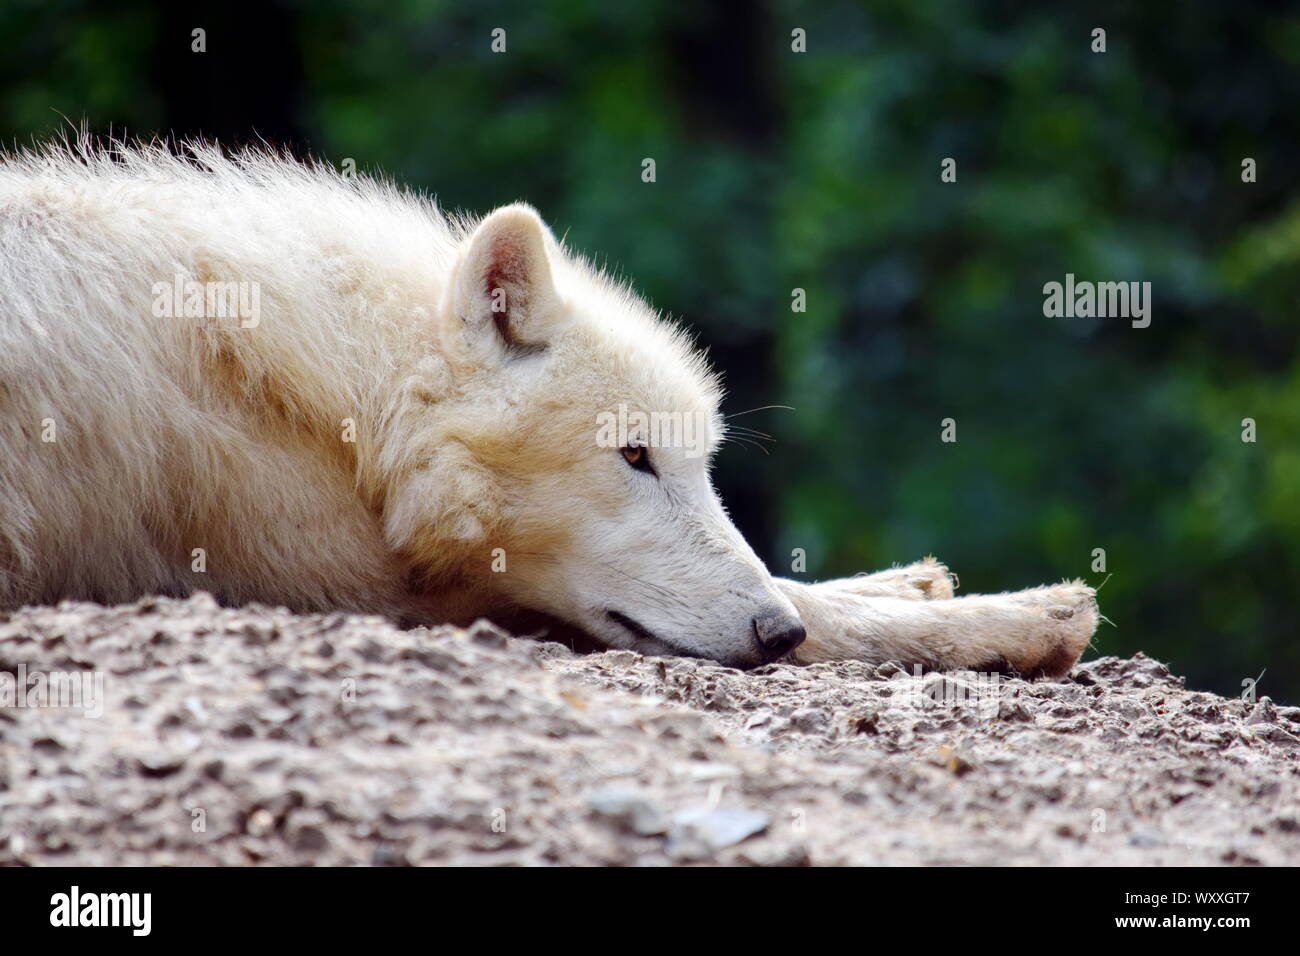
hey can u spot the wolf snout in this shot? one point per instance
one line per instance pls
(777, 634)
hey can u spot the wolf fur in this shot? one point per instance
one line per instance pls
(407, 426)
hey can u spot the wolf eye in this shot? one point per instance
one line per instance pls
(638, 458)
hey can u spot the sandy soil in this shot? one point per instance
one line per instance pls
(258, 736)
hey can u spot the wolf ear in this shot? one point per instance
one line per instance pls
(502, 289)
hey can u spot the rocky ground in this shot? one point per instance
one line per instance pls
(259, 736)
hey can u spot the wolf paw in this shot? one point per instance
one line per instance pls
(925, 580)
(1068, 614)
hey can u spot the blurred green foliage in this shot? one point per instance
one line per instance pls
(820, 170)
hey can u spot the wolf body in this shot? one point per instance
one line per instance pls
(276, 383)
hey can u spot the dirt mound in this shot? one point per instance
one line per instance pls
(258, 736)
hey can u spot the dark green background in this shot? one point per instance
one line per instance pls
(820, 170)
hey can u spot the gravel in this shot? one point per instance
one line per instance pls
(257, 736)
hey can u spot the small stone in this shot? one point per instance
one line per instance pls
(808, 720)
(159, 765)
(487, 634)
(868, 723)
(889, 670)
(1014, 711)
(764, 854)
(1264, 712)
(310, 839)
(1146, 838)
(629, 809)
(707, 829)
(260, 822)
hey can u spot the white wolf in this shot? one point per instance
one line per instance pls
(276, 383)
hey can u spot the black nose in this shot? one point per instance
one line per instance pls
(777, 634)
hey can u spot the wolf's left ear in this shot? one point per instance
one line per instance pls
(502, 289)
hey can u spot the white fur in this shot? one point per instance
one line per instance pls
(474, 430)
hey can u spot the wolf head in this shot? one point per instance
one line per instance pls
(569, 459)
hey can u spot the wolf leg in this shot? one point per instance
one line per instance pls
(1035, 633)
(924, 580)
